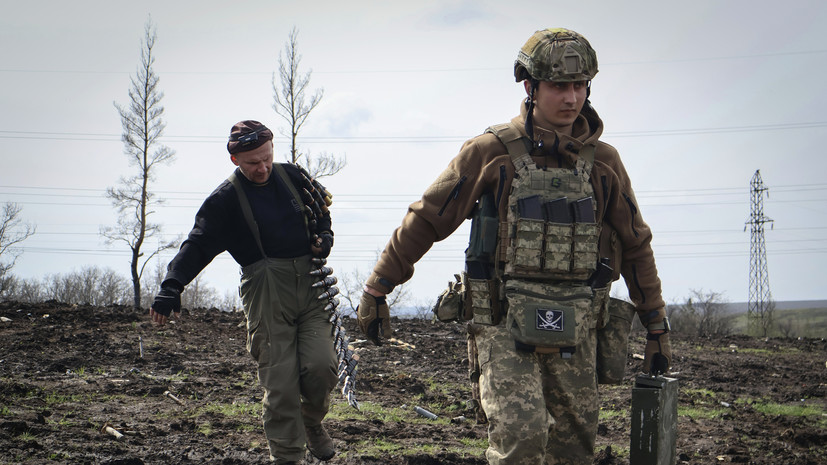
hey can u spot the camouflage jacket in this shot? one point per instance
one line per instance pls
(483, 165)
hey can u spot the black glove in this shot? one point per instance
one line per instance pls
(657, 354)
(169, 299)
(324, 242)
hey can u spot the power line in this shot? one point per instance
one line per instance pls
(407, 139)
(421, 70)
(642, 193)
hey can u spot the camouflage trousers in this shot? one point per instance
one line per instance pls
(289, 335)
(542, 409)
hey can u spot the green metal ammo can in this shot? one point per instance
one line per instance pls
(654, 420)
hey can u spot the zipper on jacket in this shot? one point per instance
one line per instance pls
(637, 285)
(633, 209)
(555, 150)
(500, 187)
(605, 185)
(453, 195)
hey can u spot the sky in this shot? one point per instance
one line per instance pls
(696, 96)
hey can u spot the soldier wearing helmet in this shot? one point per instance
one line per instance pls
(554, 222)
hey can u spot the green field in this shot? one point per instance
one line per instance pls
(802, 322)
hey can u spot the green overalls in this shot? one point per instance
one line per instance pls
(290, 337)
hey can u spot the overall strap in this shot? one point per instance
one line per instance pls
(247, 211)
(279, 168)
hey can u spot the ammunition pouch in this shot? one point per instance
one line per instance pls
(482, 243)
(547, 249)
(482, 301)
(474, 372)
(549, 316)
(613, 341)
(449, 304)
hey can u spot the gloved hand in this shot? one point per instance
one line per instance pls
(322, 245)
(657, 354)
(168, 300)
(374, 317)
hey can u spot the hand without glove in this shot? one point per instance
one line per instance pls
(168, 300)
(657, 354)
(374, 317)
(322, 245)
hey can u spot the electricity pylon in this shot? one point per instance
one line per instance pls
(760, 306)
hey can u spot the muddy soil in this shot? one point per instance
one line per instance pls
(67, 372)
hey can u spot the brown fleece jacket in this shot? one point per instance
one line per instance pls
(483, 165)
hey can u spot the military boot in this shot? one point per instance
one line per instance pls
(319, 442)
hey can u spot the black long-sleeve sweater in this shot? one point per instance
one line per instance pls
(220, 225)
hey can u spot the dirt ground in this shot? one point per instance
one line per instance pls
(68, 371)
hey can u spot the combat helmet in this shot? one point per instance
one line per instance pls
(556, 54)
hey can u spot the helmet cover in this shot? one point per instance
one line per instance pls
(556, 54)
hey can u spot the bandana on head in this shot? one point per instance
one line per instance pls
(248, 135)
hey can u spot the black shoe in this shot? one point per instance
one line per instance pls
(319, 442)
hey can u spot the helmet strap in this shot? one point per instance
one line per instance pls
(529, 117)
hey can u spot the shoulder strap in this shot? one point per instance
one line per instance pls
(247, 211)
(279, 168)
(585, 160)
(518, 146)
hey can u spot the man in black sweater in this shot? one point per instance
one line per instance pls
(258, 216)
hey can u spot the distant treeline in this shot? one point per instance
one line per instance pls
(97, 286)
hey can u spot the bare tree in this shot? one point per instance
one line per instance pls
(704, 314)
(199, 295)
(13, 231)
(29, 291)
(351, 285)
(142, 128)
(763, 319)
(292, 102)
(787, 327)
(89, 286)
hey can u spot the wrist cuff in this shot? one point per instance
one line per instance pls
(380, 284)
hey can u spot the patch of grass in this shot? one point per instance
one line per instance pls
(383, 446)
(247, 427)
(697, 413)
(789, 410)
(700, 393)
(373, 410)
(231, 410)
(53, 398)
(59, 457)
(816, 412)
(5, 411)
(380, 447)
(179, 377)
(607, 414)
(205, 428)
(341, 410)
(244, 380)
(749, 350)
(620, 450)
(475, 443)
(62, 422)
